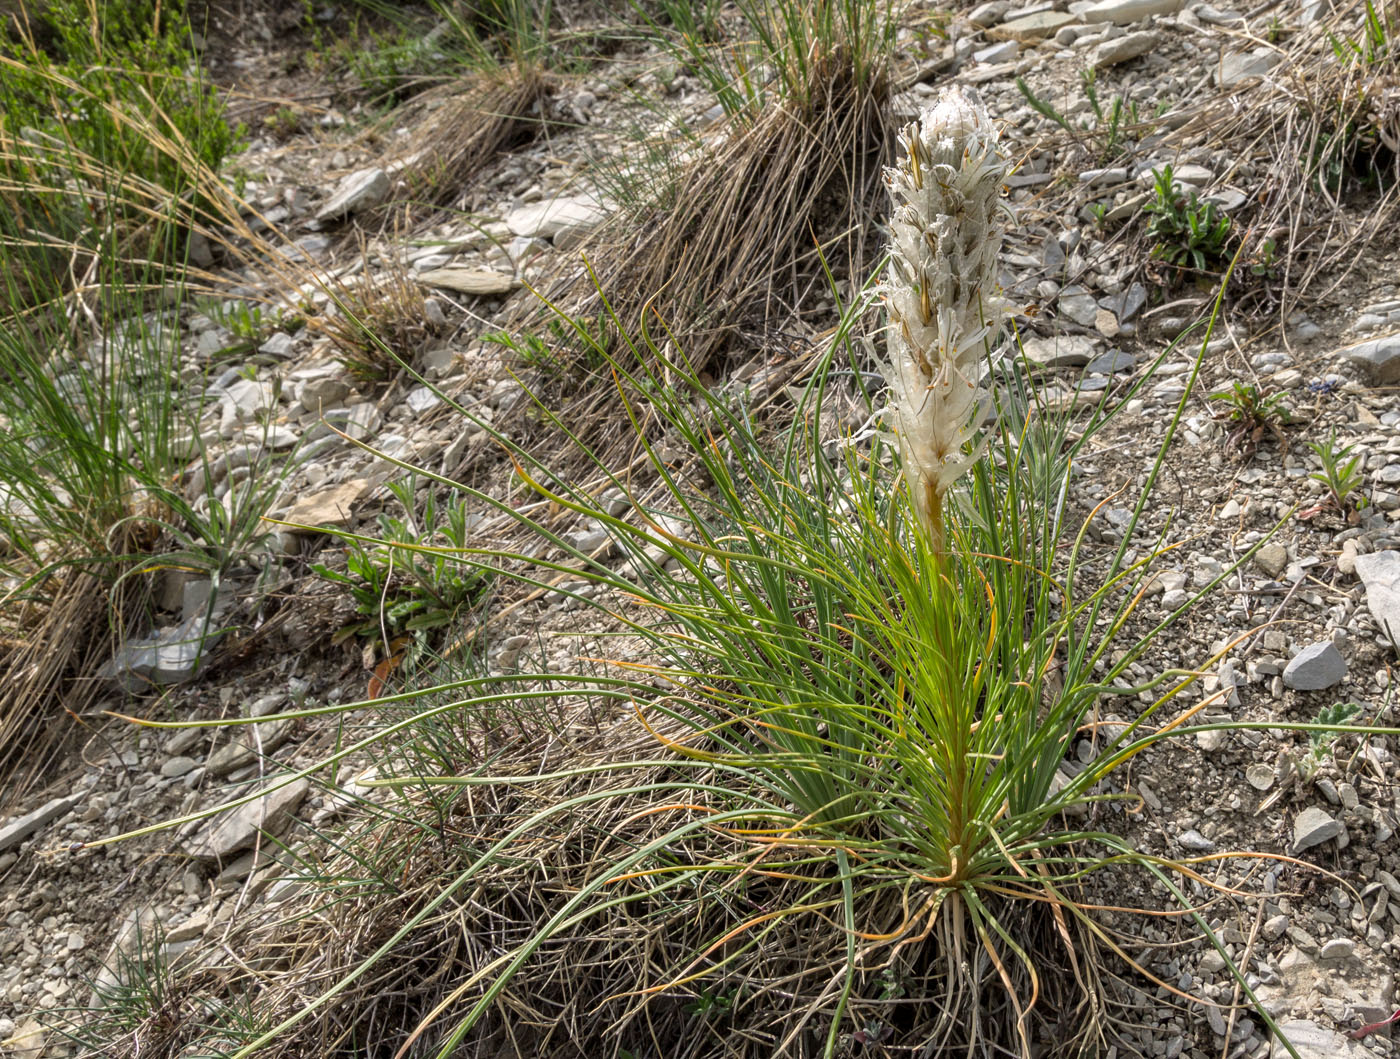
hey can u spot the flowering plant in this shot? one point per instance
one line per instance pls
(945, 311)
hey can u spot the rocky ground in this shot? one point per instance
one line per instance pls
(1303, 625)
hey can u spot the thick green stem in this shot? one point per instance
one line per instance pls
(932, 510)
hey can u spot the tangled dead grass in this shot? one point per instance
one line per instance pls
(50, 655)
(461, 128)
(740, 239)
(685, 967)
(379, 319)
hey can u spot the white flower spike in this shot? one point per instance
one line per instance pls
(945, 309)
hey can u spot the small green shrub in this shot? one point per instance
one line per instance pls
(389, 66)
(1187, 232)
(1373, 47)
(413, 580)
(1108, 137)
(566, 349)
(1320, 742)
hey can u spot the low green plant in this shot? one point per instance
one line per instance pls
(558, 353)
(250, 323)
(1374, 45)
(1253, 414)
(283, 123)
(1186, 231)
(389, 65)
(711, 1004)
(828, 735)
(1340, 474)
(410, 582)
(1264, 262)
(1320, 742)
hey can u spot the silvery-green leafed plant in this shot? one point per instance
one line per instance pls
(945, 312)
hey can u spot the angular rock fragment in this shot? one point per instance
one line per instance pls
(1312, 827)
(238, 829)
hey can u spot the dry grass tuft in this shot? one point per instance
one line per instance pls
(50, 654)
(461, 128)
(739, 241)
(380, 320)
(614, 984)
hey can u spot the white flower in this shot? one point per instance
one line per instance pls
(945, 311)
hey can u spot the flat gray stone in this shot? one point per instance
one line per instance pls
(1122, 49)
(1244, 65)
(329, 507)
(1195, 842)
(16, 831)
(1260, 776)
(1317, 666)
(249, 745)
(1111, 363)
(484, 282)
(1337, 949)
(1272, 559)
(1380, 573)
(1312, 1041)
(239, 829)
(1079, 305)
(358, 191)
(1127, 304)
(1104, 177)
(1061, 351)
(1031, 28)
(1124, 12)
(984, 15)
(555, 217)
(996, 53)
(1379, 358)
(279, 344)
(422, 399)
(176, 767)
(1312, 827)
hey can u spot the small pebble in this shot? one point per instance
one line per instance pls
(1338, 949)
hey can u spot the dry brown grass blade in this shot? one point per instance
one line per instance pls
(741, 240)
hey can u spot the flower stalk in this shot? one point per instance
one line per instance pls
(942, 293)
